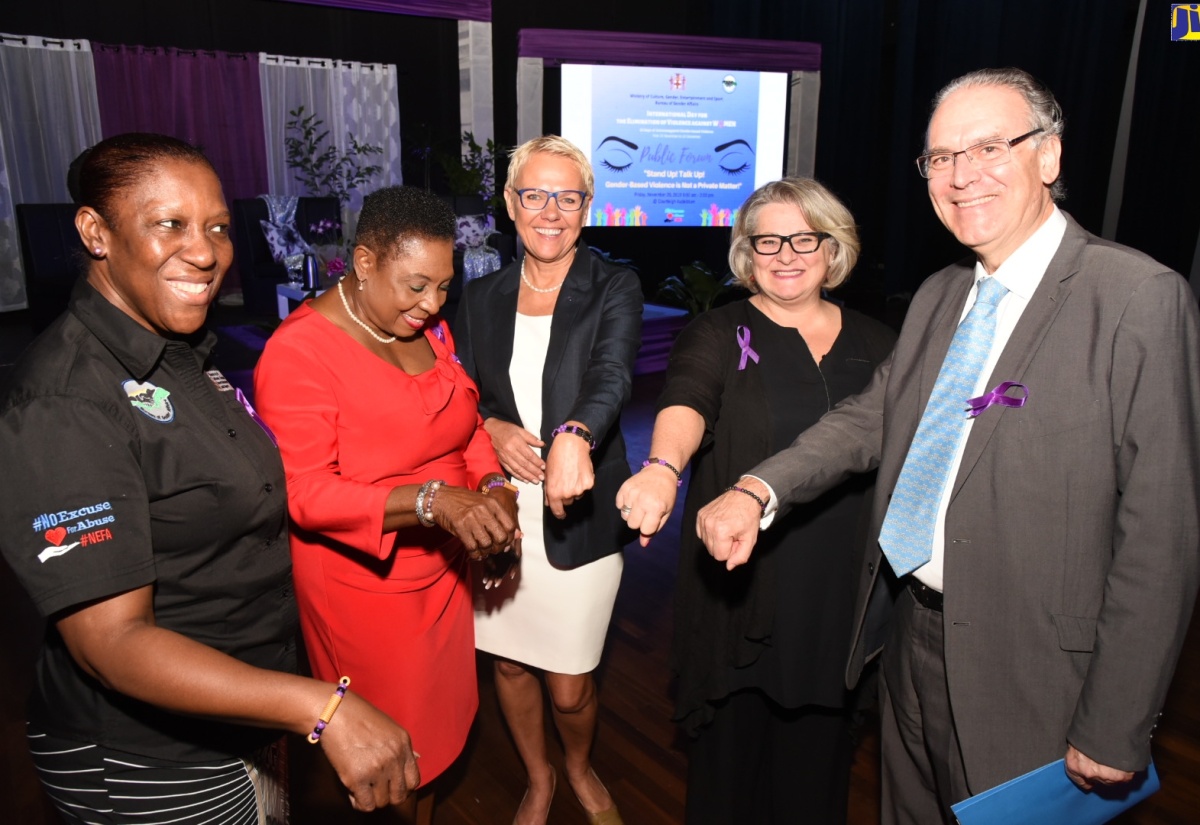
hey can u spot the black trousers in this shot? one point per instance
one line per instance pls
(760, 763)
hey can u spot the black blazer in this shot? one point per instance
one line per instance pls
(594, 338)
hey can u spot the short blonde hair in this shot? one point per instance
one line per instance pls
(550, 145)
(821, 209)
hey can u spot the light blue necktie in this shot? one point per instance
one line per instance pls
(907, 534)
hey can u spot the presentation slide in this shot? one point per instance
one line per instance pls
(674, 147)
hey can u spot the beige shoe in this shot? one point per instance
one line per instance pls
(609, 816)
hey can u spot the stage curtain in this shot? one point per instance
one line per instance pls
(48, 115)
(208, 98)
(480, 10)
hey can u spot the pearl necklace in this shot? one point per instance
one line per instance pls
(529, 284)
(360, 321)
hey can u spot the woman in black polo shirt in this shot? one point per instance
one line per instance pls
(144, 511)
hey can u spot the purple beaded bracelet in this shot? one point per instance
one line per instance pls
(332, 705)
(662, 462)
(575, 429)
(500, 481)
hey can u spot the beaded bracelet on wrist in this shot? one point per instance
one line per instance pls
(424, 504)
(575, 429)
(500, 481)
(330, 707)
(433, 488)
(762, 504)
(662, 462)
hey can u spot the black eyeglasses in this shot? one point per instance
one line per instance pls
(569, 200)
(801, 242)
(981, 156)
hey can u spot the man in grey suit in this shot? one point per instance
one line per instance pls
(1048, 566)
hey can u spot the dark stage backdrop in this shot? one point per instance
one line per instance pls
(884, 60)
(881, 62)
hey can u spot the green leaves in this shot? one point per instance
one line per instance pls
(697, 289)
(318, 165)
(473, 171)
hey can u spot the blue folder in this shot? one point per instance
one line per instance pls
(1048, 795)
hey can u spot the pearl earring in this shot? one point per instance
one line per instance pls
(361, 282)
(98, 251)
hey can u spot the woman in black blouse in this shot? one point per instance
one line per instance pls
(144, 511)
(760, 650)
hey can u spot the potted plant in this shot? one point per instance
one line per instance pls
(319, 165)
(470, 172)
(697, 288)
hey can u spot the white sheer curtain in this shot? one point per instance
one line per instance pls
(351, 97)
(48, 115)
(475, 107)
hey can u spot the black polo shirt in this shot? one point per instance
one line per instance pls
(126, 462)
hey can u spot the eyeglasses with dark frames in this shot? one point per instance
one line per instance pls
(981, 155)
(568, 200)
(801, 242)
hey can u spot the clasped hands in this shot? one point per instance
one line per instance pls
(485, 523)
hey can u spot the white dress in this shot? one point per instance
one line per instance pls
(548, 618)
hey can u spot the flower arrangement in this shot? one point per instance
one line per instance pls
(327, 240)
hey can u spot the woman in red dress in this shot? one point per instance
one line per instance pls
(388, 470)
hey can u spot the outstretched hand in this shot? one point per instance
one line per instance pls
(569, 473)
(372, 755)
(728, 526)
(646, 500)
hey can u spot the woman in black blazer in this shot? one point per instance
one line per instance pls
(551, 340)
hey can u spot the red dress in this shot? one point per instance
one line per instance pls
(390, 610)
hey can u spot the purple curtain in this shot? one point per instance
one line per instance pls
(210, 99)
(557, 46)
(452, 9)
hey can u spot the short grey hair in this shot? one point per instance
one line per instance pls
(1044, 111)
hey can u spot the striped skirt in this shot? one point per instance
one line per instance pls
(94, 784)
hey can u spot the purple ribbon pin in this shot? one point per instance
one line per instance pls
(241, 396)
(998, 396)
(743, 339)
(440, 334)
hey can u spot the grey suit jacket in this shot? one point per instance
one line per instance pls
(1073, 534)
(588, 374)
